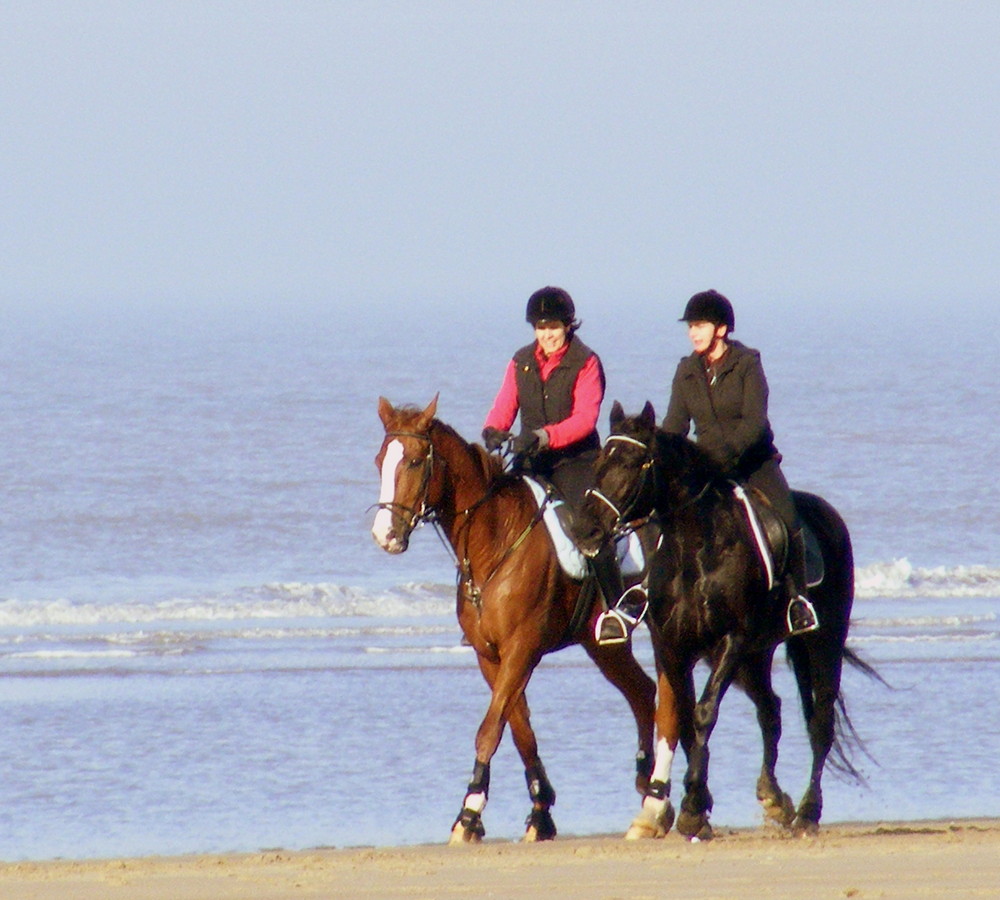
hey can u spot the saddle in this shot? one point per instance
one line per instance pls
(557, 518)
(771, 538)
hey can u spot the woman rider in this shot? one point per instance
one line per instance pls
(721, 388)
(557, 385)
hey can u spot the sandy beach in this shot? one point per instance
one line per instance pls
(953, 859)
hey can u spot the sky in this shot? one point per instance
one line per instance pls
(438, 154)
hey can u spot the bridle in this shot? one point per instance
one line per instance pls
(415, 517)
(428, 514)
(623, 524)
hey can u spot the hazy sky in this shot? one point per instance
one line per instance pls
(264, 153)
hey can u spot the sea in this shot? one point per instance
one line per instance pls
(203, 650)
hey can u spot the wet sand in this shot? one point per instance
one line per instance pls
(885, 860)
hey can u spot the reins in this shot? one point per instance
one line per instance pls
(463, 564)
(623, 525)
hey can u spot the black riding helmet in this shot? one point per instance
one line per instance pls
(550, 303)
(709, 306)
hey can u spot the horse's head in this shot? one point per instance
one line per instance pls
(623, 486)
(406, 465)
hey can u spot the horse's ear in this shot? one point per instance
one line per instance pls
(385, 411)
(428, 414)
(617, 414)
(648, 415)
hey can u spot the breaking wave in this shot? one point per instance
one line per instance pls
(901, 579)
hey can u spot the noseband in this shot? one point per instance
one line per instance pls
(621, 526)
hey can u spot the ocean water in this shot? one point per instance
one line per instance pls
(202, 649)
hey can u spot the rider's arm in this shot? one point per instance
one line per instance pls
(752, 425)
(501, 416)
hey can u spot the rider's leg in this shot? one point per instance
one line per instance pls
(800, 615)
(615, 624)
(572, 478)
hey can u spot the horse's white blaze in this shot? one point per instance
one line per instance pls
(382, 526)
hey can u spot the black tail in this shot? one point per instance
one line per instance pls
(847, 741)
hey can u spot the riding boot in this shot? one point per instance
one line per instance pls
(615, 625)
(800, 616)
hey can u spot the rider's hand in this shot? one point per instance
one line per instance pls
(493, 438)
(528, 442)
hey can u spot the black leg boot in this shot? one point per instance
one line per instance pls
(801, 614)
(615, 625)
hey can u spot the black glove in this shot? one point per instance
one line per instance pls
(493, 438)
(525, 443)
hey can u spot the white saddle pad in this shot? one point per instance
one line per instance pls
(630, 556)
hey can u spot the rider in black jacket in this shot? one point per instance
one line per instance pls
(721, 389)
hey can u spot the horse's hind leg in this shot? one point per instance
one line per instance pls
(819, 687)
(657, 814)
(755, 679)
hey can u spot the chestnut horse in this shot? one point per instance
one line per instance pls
(515, 603)
(710, 600)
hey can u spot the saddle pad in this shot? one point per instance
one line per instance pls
(572, 560)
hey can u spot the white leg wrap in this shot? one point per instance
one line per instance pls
(475, 802)
(664, 759)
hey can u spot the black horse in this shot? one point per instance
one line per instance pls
(712, 599)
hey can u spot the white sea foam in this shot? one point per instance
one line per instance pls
(316, 601)
(901, 579)
(270, 601)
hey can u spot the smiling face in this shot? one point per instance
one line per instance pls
(707, 338)
(551, 335)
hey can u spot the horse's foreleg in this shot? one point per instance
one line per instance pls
(657, 814)
(697, 802)
(755, 679)
(507, 680)
(540, 825)
(619, 666)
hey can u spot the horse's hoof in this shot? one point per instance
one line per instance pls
(705, 833)
(460, 835)
(468, 828)
(541, 827)
(805, 828)
(782, 813)
(694, 826)
(651, 823)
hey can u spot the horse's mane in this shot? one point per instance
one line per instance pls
(489, 464)
(679, 451)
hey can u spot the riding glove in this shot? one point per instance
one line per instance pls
(528, 442)
(493, 438)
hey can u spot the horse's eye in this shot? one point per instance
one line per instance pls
(416, 463)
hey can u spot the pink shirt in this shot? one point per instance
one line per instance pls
(587, 397)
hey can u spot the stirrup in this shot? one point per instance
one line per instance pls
(804, 619)
(615, 625)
